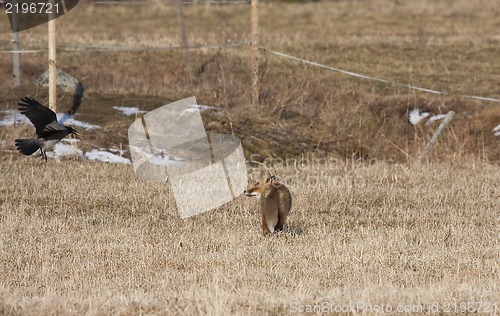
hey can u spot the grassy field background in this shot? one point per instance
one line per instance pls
(442, 45)
(90, 238)
(78, 237)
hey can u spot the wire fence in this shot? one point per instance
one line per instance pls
(91, 48)
(94, 48)
(353, 74)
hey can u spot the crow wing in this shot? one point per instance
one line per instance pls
(39, 115)
(53, 130)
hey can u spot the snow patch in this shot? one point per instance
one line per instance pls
(64, 118)
(115, 150)
(128, 110)
(199, 107)
(13, 117)
(61, 149)
(105, 156)
(160, 156)
(496, 130)
(416, 116)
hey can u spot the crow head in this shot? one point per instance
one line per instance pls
(72, 130)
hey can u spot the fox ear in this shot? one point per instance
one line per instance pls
(270, 178)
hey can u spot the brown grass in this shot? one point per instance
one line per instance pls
(90, 238)
(433, 44)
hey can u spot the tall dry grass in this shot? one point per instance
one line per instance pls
(90, 238)
(448, 46)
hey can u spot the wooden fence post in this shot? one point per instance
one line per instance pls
(52, 61)
(16, 73)
(182, 31)
(255, 54)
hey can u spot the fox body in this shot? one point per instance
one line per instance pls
(275, 203)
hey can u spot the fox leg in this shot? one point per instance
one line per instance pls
(265, 228)
(281, 220)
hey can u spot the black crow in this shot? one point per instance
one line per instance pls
(48, 130)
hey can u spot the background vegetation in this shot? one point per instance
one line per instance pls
(78, 237)
(449, 46)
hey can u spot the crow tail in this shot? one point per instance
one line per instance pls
(27, 146)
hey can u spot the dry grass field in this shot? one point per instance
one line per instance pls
(368, 232)
(451, 46)
(90, 238)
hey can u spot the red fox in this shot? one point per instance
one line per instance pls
(275, 203)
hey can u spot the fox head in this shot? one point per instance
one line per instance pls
(261, 187)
